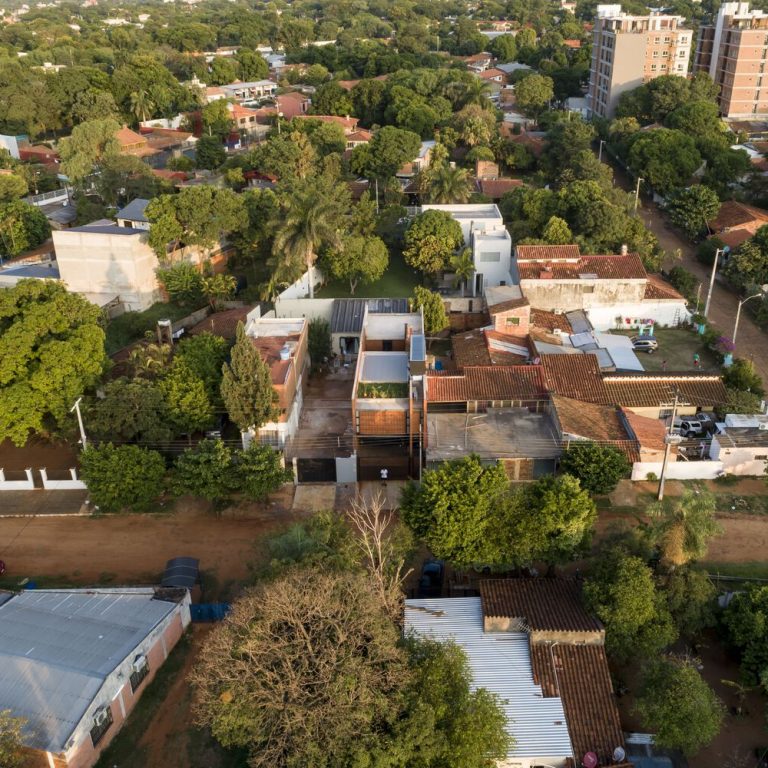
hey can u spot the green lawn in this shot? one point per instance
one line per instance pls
(753, 570)
(131, 326)
(398, 282)
(677, 346)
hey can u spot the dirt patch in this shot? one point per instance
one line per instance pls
(133, 549)
(743, 540)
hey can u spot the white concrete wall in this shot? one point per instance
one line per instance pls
(679, 470)
(300, 289)
(661, 312)
(108, 263)
(312, 309)
(17, 485)
(73, 484)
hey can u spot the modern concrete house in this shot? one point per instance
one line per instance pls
(732, 51)
(73, 663)
(482, 226)
(628, 51)
(741, 443)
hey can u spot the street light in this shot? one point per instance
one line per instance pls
(712, 281)
(600, 151)
(763, 292)
(637, 192)
(279, 115)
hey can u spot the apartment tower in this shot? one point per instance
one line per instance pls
(631, 50)
(733, 52)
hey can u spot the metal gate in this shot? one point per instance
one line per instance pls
(369, 467)
(316, 470)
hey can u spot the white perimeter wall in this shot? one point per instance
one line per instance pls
(679, 470)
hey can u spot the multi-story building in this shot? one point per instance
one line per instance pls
(733, 52)
(631, 50)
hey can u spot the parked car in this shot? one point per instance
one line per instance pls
(431, 581)
(645, 344)
(700, 425)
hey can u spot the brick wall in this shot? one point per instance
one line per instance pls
(382, 422)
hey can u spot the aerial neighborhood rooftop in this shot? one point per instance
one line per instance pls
(383, 385)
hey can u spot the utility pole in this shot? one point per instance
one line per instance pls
(600, 151)
(712, 281)
(637, 192)
(670, 439)
(376, 181)
(76, 409)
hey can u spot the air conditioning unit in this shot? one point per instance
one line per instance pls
(557, 332)
(557, 311)
(139, 663)
(101, 716)
(763, 425)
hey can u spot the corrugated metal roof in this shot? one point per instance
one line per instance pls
(501, 663)
(347, 315)
(58, 647)
(134, 211)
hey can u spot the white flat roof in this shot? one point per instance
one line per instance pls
(261, 327)
(501, 663)
(392, 325)
(468, 210)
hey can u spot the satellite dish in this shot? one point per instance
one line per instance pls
(619, 755)
(590, 760)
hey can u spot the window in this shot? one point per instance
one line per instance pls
(655, 54)
(665, 54)
(102, 720)
(667, 39)
(653, 67)
(490, 256)
(512, 321)
(588, 289)
(139, 670)
(762, 457)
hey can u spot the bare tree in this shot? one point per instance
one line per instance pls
(384, 543)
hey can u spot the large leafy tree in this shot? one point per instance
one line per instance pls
(209, 153)
(621, 592)
(678, 707)
(260, 471)
(22, 226)
(123, 476)
(666, 159)
(259, 700)
(430, 240)
(204, 355)
(358, 259)
(186, 398)
(388, 150)
(533, 93)
(51, 351)
(550, 520)
(311, 216)
(746, 623)
(691, 208)
(205, 471)
(598, 467)
(691, 599)
(12, 187)
(130, 410)
(433, 308)
(246, 385)
(88, 145)
(12, 754)
(451, 510)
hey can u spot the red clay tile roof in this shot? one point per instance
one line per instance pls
(491, 73)
(656, 288)
(589, 420)
(571, 43)
(547, 252)
(360, 135)
(649, 432)
(269, 348)
(576, 376)
(222, 323)
(733, 238)
(497, 188)
(470, 349)
(477, 57)
(126, 137)
(293, 96)
(500, 351)
(733, 214)
(534, 143)
(610, 267)
(579, 675)
(514, 382)
(650, 390)
(550, 320)
(547, 605)
(503, 306)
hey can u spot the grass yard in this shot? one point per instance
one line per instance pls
(131, 326)
(397, 282)
(756, 569)
(677, 346)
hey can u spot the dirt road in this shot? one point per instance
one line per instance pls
(132, 549)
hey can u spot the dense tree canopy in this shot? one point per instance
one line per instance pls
(430, 240)
(51, 351)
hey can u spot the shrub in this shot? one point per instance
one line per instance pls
(598, 468)
(683, 280)
(124, 476)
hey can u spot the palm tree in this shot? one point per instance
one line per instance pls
(463, 266)
(312, 216)
(685, 525)
(142, 105)
(474, 91)
(449, 185)
(149, 359)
